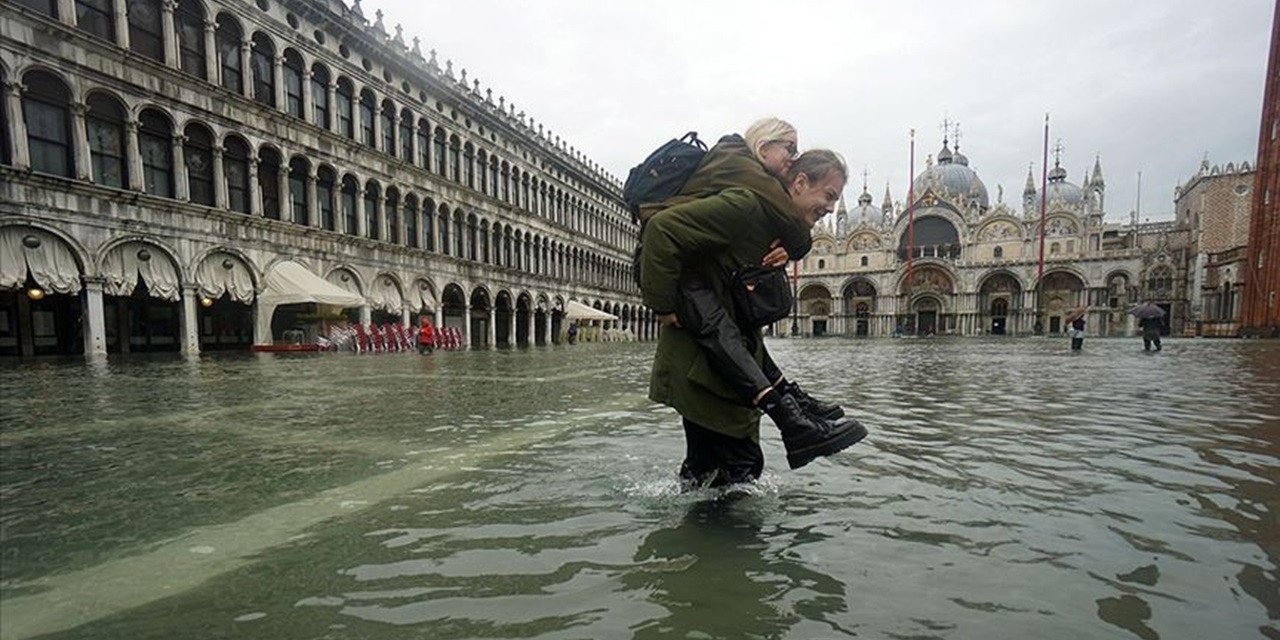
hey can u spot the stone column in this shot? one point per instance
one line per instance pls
(380, 217)
(531, 326)
(169, 33)
(246, 73)
(95, 325)
(282, 188)
(313, 207)
(17, 128)
(361, 224)
(493, 328)
(80, 140)
(377, 124)
(277, 73)
(190, 321)
(122, 22)
(67, 12)
(307, 102)
(255, 195)
(180, 190)
(133, 156)
(404, 316)
(219, 179)
(466, 327)
(546, 328)
(331, 114)
(366, 314)
(511, 328)
(211, 58)
(438, 316)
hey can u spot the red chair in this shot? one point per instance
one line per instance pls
(362, 339)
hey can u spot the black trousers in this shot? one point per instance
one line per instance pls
(1077, 344)
(728, 348)
(1147, 341)
(713, 459)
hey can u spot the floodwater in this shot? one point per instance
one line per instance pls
(1008, 489)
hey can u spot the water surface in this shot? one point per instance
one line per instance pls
(1008, 489)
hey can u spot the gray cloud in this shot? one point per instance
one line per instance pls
(1150, 86)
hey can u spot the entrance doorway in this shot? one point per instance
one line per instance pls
(863, 314)
(819, 328)
(999, 313)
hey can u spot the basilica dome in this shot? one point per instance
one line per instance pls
(953, 180)
(1061, 191)
(865, 213)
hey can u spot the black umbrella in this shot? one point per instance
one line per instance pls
(1147, 310)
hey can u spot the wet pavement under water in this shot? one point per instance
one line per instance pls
(1008, 489)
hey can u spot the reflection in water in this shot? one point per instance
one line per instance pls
(718, 559)
(1007, 489)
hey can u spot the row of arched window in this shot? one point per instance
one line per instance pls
(148, 154)
(251, 67)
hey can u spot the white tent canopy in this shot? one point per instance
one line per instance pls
(575, 310)
(290, 283)
(133, 261)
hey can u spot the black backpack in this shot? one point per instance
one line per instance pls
(663, 173)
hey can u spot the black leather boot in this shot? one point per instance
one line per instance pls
(810, 404)
(805, 436)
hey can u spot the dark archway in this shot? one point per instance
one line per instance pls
(502, 312)
(524, 307)
(480, 317)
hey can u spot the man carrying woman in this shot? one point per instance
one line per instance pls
(733, 213)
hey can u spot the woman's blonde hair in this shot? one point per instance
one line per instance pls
(764, 131)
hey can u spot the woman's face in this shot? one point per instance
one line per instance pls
(814, 200)
(778, 154)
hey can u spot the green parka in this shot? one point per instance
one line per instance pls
(710, 239)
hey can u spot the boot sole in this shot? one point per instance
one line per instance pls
(850, 436)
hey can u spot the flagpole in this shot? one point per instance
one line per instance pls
(1044, 201)
(911, 210)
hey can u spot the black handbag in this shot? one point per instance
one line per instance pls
(761, 295)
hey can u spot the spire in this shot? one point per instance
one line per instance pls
(1031, 181)
(1096, 180)
(887, 205)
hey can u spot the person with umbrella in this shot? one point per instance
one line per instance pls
(1076, 321)
(1149, 316)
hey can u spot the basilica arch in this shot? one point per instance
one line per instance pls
(859, 305)
(927, 302)
(1060, 292)
(999, 303)
(814, 303)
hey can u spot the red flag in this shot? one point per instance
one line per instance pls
(911, 209)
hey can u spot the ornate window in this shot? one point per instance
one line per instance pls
(406, 135)
(298, 171)
(229, 43)
(371, 195)
(444, 230)
(96, 17)
(392, 214)
(45, 110)
(320, 96)
(439, 150)
(47, 7)
(346, 118)
(388, 128)
(293, 83)
(145, 34)
(367, 110)
(263, 68)
(997, 253)
(349, 194)
(197, 153)
(411, 236)
(269, 182)
(235, 166)
(455, 159)
(155, 142)
(190, 32)
(422, 139)
(105, 125)
(325, 180)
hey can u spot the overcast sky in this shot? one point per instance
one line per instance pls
(1151, 86)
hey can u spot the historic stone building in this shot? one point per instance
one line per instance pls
(1214, 204)
(975, 262)
(165, 164)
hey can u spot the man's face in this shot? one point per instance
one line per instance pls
(814, 200)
